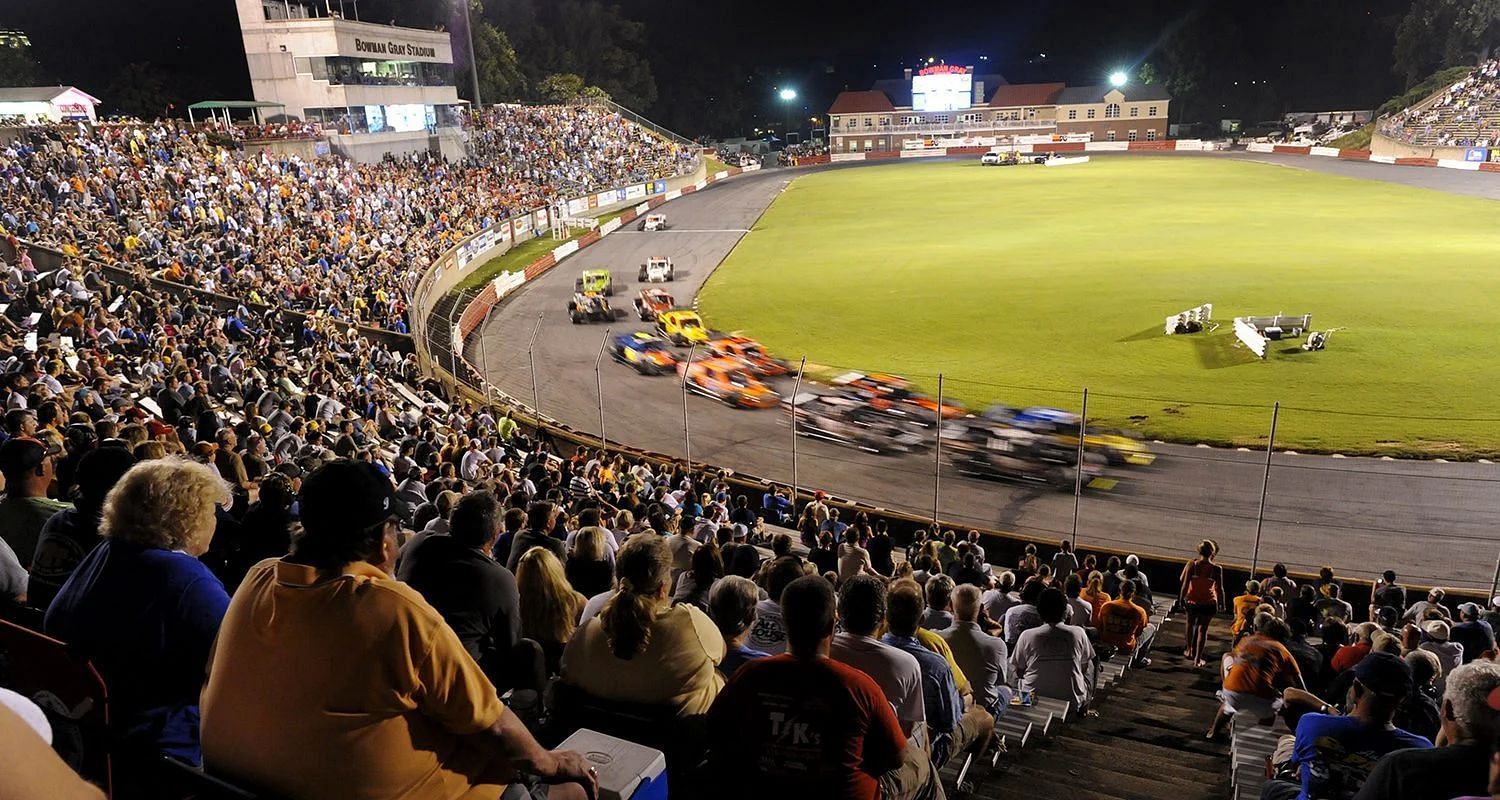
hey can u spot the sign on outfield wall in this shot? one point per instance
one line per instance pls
(1480, 154)
(539, 218)
(658, 187)
(576, 207)
(635, 192)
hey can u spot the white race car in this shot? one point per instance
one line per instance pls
(657, 269)
(654, 222)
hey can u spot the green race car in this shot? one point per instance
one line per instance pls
(596, 281)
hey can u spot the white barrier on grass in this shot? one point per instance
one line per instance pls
(1252, 338)
(1063, 161)
(1201, 315)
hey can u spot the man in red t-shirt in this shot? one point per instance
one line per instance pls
(802, 723)
(1125, 626)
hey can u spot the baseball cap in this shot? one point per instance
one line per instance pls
(22, 454)
(290, 469)
(740, 532)
(1384, 674)
(1437, 629)
(345, 493)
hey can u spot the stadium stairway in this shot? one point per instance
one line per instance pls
(1147, 742)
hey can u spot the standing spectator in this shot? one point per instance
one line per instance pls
(1201, 597)
(27, 466)
(1126, 627)
(862, 611)
(1461, 766)
(477, 597)
(1387, 593)
(1472, 633)
(541, 519)
(881, 547)
(70, 534)
(550, 606)
(731, 604)
(642, 649)
(1334, 754)
(1064, 562)
(1055, 660)
(984, 659)
(1278, 577)
(144, 609)
(330, 679)
(847, 743)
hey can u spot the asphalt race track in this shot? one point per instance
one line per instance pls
(1432, 522)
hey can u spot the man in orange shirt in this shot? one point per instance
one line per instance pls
(1125, 626)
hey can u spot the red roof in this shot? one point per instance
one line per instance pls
(1013, 95)
(861, 102)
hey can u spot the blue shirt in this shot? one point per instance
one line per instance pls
(739, 656)
(940, 698)
(147, 619)
(1334, 755)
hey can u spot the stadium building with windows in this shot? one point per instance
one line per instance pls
(376, 89)
(948, 106)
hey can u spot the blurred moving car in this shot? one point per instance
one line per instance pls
(681, 327)
(596, 281)
(651, 302)
(1012, 454)
(588, 307)
(657, 269)
(645, 353)
(751, 352)
(729, 381)
(1062, 427)
(897, 390)
(654, 222)
(849, 422)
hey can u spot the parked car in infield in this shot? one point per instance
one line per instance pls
(681, 327)
(751, 352)
(651, 302)
(657, 269)
(643, 352)
(897, 390)
(852, 423)
(1013, 454)
(729, 381)
(654, 222)
(1062, 427)
(1005, 159)
(589, 307)
(596, 281)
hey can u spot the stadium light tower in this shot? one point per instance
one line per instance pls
(1118, 78)
(787, 96)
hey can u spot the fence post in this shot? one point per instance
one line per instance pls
(937, 455)
(454, 343)
(796, 389)
(687, 439)
(1083, 421)
(1495, 584)
(536, 395)
(599, 387)
(1265, 482)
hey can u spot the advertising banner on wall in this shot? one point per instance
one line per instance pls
(658, 187)
(1480, 154)
(635, 192)
(578, 206)
(539, 218)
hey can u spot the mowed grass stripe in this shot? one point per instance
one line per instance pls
(1024, 284)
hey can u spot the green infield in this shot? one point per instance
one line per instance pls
(1023, 285)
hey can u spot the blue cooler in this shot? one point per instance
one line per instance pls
(627, 771)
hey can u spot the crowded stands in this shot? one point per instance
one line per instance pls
(1467, 114)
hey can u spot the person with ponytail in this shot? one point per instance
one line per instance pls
(641, 648)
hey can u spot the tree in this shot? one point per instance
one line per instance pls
(560, 88)
(586, 38)
(500, 78)
(1445, 33)
(138, 90)
(18, 68)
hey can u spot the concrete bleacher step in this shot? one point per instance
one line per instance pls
(1017, 732)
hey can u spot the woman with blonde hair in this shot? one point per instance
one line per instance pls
(550, 606)
(589, 569)
(641, 648)
(142, 606)
(1095, 595)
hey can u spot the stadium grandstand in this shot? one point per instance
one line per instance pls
(1466, 114)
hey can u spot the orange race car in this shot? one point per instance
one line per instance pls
(749, 351)
(651, 302)
(727, 380)
(896, 390)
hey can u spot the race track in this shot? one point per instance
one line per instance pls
(1432, 522)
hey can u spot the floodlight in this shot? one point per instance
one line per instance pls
(1117, 79)
(788, 94)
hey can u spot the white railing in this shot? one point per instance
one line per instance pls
(951, 127)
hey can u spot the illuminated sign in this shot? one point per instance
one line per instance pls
(945, 69)
(394, 48)
(942, 88)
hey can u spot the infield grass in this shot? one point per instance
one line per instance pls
(1023, 285)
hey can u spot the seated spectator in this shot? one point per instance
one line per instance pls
(1355, 651)
(590, 566)
(1064, 561)
(768, 635)
(862, 611)
(477, 597)
(1437, 639)
(265, 532)
(1095, 596)
(1255, 674)
(28, 467)
(1334, 754)
(854, 559)
(1244, 609)
(984, 659)
(1461, 765)
(731, 604)
(1423, 610)
(550, 606)
(541, 519)
(1304, 607)
(70, 534)
(144, 609)
(956, 723)
(1080, 613)
(1309, 660)
(999, 600)
(1421, 711)
(642, 649)
(938, 615)
(1125, 626)
(1279, 579)
(844, 742)
(682, 543)
(1472, 633)
(31, 769)
(1056, 659)
(1023, 616)
(331, 679)
(693, 586)
(1333, 605)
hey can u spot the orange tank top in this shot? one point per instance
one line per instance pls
(1202, 588)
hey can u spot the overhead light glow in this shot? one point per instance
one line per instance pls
(788, 94)
(1117, 79)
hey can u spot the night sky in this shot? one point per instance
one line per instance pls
(1255, 60)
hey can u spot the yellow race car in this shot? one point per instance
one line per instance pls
(681, 327)
(1062, 427)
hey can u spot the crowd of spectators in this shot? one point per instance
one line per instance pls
(1466, 115)
(792, 154)
(340, 237)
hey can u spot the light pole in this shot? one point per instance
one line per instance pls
(473, 61)
(787, 96)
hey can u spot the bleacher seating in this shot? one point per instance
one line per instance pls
(1466, 114)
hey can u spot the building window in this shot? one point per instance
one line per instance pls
(869, 123)
(1130, 136)
(885, 122)
(973, 116)
(1112, 111)
(941, 119)
(1072, 113)
(869, 145)
(1111, 136)
(1031, 113)
(1091, 113)
(1135, 111)
(1151, 135)
(911, 119)
(1151, 112)
(853, 145)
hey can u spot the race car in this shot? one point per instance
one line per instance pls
(1062, 427)
(596, 281)
(1005, 159)
(846, 421)
(654, 222)
(589, 307)
(651, 302)
(647, 354)
(749, 351)
(897, 391)
(727, 380)
(681, 327)
(1013, 454)
(657, 269)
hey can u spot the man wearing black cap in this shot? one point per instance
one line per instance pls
(330, 679)
(27, 465)
(71, 533)
(1334, 754)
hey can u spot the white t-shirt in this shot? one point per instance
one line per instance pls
(768, 635)
(896, 672)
